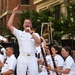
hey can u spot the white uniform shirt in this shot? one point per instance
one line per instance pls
(1, 58)
(69, 63)
(26, 42)
(44, 71)
(38, 49)
(49, 61)
(4, 53)
(58, 61)
(9, 64)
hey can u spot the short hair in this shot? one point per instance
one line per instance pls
(11, 48)
(29, 19)
(57, 48)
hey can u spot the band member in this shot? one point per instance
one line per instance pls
(69, 65)
(8, 67)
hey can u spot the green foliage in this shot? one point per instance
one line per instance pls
(37, 18)
(33, 15)
(62, 26)
(65, 25)
(71, 17)
(5, 31)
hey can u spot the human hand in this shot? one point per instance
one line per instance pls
(1, 64)
(48, 67)
(28, 29)
(15, 10)
(57, 70)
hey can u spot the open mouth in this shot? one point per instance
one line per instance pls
(26, 26)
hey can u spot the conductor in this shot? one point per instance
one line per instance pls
(27, 41)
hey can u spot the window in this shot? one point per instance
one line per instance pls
(25, 2)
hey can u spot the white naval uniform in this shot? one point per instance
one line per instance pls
(58, 61)
(3, 50)
(44, 71)
(1, 58)
(9, 64)
(49, 61)
(27, 45)
(38, 51)
(69, 63)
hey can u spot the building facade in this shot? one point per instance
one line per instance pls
(6, 7)
(45, 4)
(42, 5)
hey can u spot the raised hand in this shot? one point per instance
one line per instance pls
(15, 10)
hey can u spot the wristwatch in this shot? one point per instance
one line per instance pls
(31, 33)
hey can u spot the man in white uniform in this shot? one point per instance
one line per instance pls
(9, 66)
(27, 41)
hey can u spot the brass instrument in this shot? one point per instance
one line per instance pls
(46, 32)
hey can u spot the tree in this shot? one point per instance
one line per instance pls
(61, 26)
(64, 25)
(33, 15)
(71, 17)
(36, 17)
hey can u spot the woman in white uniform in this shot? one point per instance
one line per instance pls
(69, 65)
(42, 67)
(57, 59)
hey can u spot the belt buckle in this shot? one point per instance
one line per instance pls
(28, 54)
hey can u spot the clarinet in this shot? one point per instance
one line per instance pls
(44, 60)
(53, 59)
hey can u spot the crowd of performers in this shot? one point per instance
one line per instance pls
(35, 57)
(51, 59)
(55, 60)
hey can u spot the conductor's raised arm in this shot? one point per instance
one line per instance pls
(10, 21)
